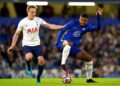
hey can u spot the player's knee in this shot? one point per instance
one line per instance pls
(89, 59)
(66, 42)
(83, 55)
(70, 43)
(28, 56)
(41, 60)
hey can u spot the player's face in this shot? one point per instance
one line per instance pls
(31, 13)
(83, 21)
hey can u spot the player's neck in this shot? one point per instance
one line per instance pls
(29, 18)
(82, 25)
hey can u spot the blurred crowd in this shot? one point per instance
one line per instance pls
(103, 45)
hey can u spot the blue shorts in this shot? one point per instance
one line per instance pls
(73, 51)
(35, 50)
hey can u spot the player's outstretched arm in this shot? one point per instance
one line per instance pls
(63, 30)
(98, 14)
(100, 11)
(53, 26)
(98, 25)
(14, 40)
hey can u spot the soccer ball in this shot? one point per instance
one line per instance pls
(66, 79)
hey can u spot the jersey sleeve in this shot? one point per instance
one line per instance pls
(20, 26)
(92, 28)
(67, 26)
(42, 22)
(63, 30)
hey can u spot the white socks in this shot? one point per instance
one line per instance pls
(89, 69)
(65, 53)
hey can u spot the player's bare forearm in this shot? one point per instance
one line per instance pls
(53, 26)
(15, 38)
(56, 26)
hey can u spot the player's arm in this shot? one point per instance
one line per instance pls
(15, 37)
(53, 26)
(98, 25)
(63, 30)
(14, 40)
(50, 26)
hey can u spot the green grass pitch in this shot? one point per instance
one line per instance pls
(57, 82)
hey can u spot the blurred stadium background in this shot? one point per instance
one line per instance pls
(104, 45)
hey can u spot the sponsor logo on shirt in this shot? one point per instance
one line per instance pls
(32, 30)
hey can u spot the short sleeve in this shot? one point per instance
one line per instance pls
(42, 22)
(20, 26)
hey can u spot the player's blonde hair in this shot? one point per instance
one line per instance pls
(31, 6)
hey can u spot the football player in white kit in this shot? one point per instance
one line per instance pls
(31, 42)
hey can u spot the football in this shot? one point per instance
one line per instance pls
(66, 79)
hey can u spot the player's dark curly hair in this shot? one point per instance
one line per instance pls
(84, 15)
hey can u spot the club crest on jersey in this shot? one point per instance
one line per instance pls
(76, 33)
(37, 23)
(32, 30)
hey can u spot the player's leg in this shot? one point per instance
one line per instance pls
(40, 58)
(65, 53)
(40, 67)
(28, 58)
(84, 56)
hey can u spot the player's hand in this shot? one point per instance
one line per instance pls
(100, 11)
(10, 49)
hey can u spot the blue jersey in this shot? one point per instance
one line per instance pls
(74, 32)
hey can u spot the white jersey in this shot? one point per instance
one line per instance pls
(30, 29)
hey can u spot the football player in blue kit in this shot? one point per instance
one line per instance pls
(69, 39)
